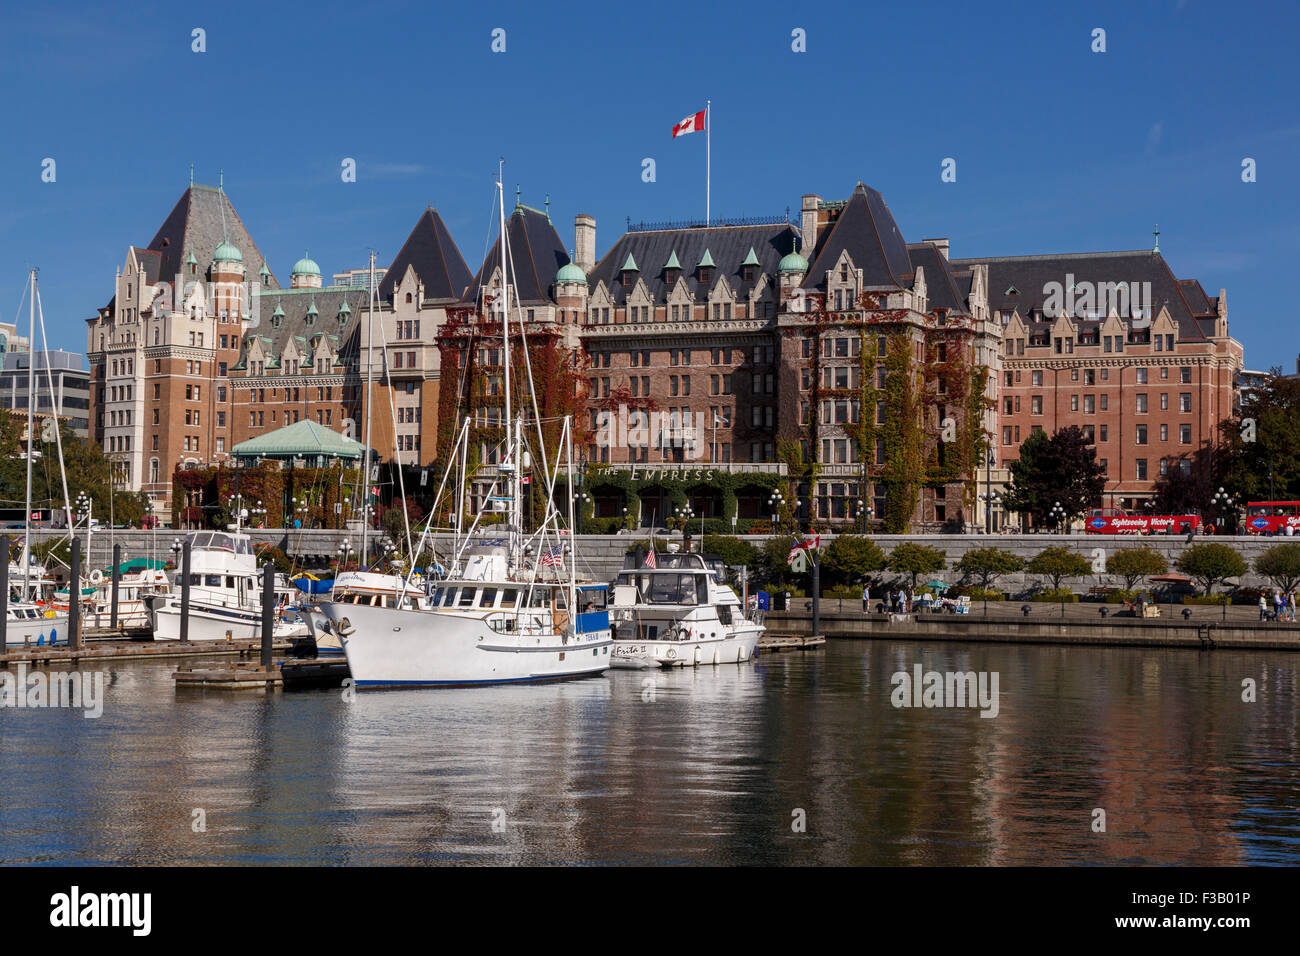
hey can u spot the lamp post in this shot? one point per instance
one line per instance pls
(774, 502)
(582, 500)
(1222, 501)
(988, 487)
(1058, 514)
(345, 554)
(862, 517)
(990, 499)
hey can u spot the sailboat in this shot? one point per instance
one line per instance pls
(508, 609)
(27, 621)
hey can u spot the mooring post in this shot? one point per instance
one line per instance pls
(185, 592)
(74, 596)
(117, 560)
(817, 594)
(268, 612)
(4, 593)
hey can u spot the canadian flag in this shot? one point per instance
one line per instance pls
(692, 124)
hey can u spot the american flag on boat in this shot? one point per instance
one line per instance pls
(650, 559)
(553, 558)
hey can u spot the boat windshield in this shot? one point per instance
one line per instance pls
(219, 541)
(667, 587)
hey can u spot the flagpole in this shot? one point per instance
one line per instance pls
(708, 144)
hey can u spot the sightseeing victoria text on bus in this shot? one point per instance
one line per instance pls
(1114, 521)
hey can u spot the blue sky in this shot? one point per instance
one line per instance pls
(1058, 149)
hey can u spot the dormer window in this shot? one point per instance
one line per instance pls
(408, 298)
(844, 273)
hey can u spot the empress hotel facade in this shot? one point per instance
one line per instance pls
(749, 347)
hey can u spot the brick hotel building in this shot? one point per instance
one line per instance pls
(755, 343)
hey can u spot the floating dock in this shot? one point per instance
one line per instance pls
(314, 673)
(230, 675)
(120, 650)
(790, 642)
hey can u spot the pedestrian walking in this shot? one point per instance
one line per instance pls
(1263, 608)
(1277, 606)
(866, 598)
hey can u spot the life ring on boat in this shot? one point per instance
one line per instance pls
(672, 653)
(96, 576)
(345, 628)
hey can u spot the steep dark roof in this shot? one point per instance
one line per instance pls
(728, 246)
(536, 254)
(433, 254)
(1029, 275)
(942, 286)
(866, 228)
(151, 261)
(295, 303)
(195, 224)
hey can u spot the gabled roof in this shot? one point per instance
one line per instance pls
(196, 224)
(866, 228)
(305, 438)
(295, 303)
(941, 283)
(1030, 275)
(727, 246)
(433, 254)
(536, 254)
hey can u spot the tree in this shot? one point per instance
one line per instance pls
(734, 552)
(916, 559)
(988, 564)
(1281, 565)
(1058, 563)
(1186, 487)
(1062, 468)
(1134, 564)
(1261, 446)
(1210, 564)
(852, 559)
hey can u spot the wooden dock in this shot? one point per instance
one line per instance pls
(790, 642)
(229, 675)
(131, 650)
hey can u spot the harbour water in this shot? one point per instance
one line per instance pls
(711, 766)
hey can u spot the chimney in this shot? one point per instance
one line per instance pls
(584, 242)
(808, 225)
(940, 244)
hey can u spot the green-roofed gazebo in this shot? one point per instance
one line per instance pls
(306, 440)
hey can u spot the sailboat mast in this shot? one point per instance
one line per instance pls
(365, 470)
(512, 515)
(27, 515)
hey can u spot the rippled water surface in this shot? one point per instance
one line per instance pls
(710, 766)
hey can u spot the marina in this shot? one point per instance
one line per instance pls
(706, 769)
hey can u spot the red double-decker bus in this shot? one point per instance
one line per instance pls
(1272, 517)
(1114, 521)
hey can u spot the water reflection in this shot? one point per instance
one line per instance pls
(708, 766)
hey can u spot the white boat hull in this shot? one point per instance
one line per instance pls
(36, 630)
(732, 649)
(409, 648)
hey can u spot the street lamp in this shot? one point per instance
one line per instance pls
(990, 499)
(345, 554)
(1222, 501)
(1058, 514)
(862, 517)
(774, 502)
(582, 500)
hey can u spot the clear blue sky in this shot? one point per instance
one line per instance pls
(1058, 148)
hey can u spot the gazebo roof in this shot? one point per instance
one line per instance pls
(303, 439)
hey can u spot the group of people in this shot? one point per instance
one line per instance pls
(899, 601)
(1283, 607)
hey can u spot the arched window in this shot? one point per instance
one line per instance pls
(408, 298)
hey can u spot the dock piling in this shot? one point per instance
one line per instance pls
(268, 612)
(185, 592)
(74, 596)
(4, 595)
(117, 561)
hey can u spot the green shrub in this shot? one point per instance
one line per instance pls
(1214, 599)
(1121, 596)
(978, 593)
(1057, 596)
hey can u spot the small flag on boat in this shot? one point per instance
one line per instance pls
(553, 558)
(650, 559)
